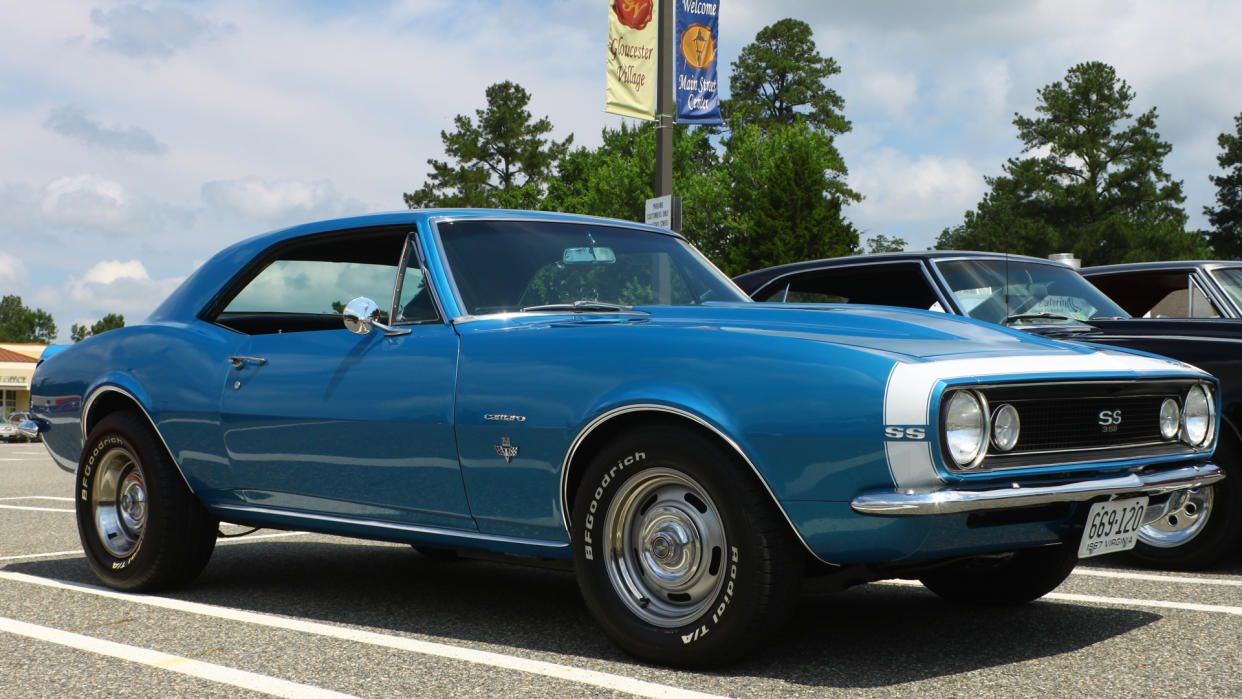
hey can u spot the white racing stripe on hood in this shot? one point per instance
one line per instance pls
(907, 397)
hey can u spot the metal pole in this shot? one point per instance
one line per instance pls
(664, 101)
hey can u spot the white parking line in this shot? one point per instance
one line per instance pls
(1158, 578)
(1110, 601)
(619, 683)
(34, 509)
(220, 542)
(37, 497)
(173, 663)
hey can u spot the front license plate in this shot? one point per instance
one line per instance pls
(1112, 526)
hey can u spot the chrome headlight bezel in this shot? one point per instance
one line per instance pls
(1170, 419)
(1198, 423)
(965, 413)
(1006, 427)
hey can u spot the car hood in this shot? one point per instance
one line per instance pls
(904, 334)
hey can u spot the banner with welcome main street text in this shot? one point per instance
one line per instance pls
(633, 38)
(698, 35)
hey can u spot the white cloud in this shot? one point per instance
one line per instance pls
(137, 32)
(278, 201)
(913, 198)
(12, 272)
(74, 122)
(111, 286)
(92, 202)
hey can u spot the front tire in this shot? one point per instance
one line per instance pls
(681, 556)
(1199, 527)
(1016, 579)
(140, 526)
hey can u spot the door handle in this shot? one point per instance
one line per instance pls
(239, 362)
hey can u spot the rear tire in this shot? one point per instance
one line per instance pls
(681, 555)
(1024, 576)
(1204, 525)
(140, 526)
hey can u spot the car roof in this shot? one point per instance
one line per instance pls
(202, 285)
(751, 281)
(1155, 266)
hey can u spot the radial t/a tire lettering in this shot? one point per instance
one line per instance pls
(140, 526)
(681, 555)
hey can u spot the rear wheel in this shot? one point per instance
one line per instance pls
(680, 554)
(1197, 528)
(1017, 578)
(140, 526)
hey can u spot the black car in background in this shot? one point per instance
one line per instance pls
(1185, 531)
(1184, 289)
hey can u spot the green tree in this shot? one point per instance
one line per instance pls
(112, 321)
(503, 160)
(1093, 183)
(883, 243)
(779, 78)
(616, 179)
(785, 197)
(21, 324)
(1226, 219)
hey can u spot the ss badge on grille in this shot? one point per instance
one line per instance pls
(1110, 420)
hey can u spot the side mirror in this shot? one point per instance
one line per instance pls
(362, 315)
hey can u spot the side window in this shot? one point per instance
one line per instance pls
(892, 284)
(307, 284)
(414, 303)
(1172, 294)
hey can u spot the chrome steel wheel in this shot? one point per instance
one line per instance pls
(1182, 518)
(119, 502)
(665, 547)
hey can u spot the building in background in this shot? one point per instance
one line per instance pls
(17, 365)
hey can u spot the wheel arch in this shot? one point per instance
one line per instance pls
(613, 422)
(110, 398)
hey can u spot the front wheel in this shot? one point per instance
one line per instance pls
(1020, 577)
(680, 554)
(140, 526)
(1196, 528)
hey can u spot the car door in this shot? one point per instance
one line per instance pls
(317, 419)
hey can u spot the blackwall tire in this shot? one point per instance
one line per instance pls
(1206, 524)
(1024, 576)
(681, 555)
(139, 525)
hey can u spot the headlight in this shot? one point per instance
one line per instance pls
(965, 425)
(1005, 427)
(1198, 414)
(1170, 418)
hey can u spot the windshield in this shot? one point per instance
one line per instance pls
(1230, 279)
(1003, 291)
(506, 266)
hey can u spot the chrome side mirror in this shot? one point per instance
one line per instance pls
(361, 316)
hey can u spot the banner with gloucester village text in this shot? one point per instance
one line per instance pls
(698, 101)
(633, 37)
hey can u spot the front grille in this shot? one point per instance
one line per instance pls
(1075, 422)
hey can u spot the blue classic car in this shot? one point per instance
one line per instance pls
(595, 391)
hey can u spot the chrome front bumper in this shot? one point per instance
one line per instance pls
(947, 501)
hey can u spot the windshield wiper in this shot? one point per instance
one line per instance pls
(582, 306)
(1043, 315)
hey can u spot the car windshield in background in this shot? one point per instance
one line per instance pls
(506, 266)
(1012, 291)
(1230, 279)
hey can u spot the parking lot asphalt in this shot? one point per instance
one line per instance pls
(295, 614)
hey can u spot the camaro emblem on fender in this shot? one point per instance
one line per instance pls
(506, 449)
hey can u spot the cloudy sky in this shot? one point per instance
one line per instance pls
(136, 139)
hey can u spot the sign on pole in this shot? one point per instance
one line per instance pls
(664, 212)
(698, 35)
(633, 37)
